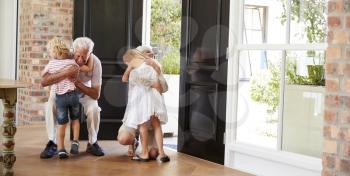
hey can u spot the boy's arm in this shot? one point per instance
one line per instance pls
(126, 74)
(88, 66)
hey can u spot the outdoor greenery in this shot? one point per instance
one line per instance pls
(312, 14)
(171, 63)
(165, 33)
(265, 87)
(267, 92)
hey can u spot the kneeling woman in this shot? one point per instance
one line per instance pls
(146, 107)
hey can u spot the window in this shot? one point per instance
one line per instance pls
(280, 93)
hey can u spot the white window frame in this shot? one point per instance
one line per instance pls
(235, 47)
(146, 22)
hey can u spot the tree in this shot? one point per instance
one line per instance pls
(312, 13)
(166, 23)
(165, 33)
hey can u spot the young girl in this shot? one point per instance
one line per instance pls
(145, 103)
(67, 100)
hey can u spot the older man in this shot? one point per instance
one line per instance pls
(89, 84)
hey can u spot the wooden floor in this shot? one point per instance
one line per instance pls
(31, 140)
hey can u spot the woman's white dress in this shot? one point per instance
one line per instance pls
(143, 101)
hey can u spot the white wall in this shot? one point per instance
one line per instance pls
(8, 41)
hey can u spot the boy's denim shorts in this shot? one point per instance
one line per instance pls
(67, 104)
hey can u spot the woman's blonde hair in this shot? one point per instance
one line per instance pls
(58, 47)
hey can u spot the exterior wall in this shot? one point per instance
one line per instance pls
(336, 147)
(39, 21)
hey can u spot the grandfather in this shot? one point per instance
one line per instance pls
(89, 84)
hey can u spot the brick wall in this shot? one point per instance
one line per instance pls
(336, 157)
(39, 21)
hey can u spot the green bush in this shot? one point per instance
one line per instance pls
(267, 92)
(171, 63)
(166, 33)
(265, 87)
(166, 23)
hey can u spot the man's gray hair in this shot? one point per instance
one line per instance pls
(83, 43)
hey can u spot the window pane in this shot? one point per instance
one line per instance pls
(308, 21)
(258, 97)
(304, 103)
(262, 22)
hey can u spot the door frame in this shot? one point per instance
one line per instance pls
(237, 155)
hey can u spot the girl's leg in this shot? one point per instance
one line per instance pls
(144, 140)
(76, 129)
(158, 134)
(60, 136)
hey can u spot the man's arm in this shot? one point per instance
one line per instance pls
(93, 92)
(49, 79)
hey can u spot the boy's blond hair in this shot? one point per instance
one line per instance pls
(58, 47)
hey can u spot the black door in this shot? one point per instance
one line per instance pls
(114, 26)
(202, 113)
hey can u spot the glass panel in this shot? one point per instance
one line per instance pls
(262, 22)
(308, 21)
(304, 103)
(204, 33)
(258, 97)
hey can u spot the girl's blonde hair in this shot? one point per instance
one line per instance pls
(131, 54)
(58, 47)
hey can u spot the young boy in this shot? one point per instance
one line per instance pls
(67, 100)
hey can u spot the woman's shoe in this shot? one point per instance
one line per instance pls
(163, 159)
(138, 158)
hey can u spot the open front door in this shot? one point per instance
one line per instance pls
(202, 113)
(114, 25)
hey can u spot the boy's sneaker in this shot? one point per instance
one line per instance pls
(49, 151)
(94, 149)
(74, 147)
(62, 154)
